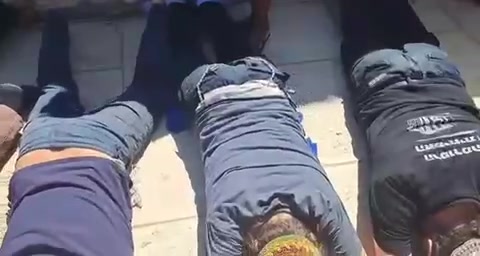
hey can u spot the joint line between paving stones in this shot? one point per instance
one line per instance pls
(86, 70)
(333, 59)
(339, 163)
(149, 224)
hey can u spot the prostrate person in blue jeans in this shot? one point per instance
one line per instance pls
(266, 192)
(70, 192)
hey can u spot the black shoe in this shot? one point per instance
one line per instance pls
(19, 98)
(8, 19)
(230, 39)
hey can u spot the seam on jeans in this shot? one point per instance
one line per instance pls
(199, 83)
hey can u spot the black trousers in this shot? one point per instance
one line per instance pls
(8, 19)
(369, 25)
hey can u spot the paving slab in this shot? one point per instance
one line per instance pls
(307, 20)
(95, 46)
(96, 88)
(170, 238)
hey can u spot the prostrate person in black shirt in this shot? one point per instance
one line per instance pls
(422, 129)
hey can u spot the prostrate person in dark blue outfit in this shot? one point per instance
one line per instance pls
(266, 192)
(70, 192)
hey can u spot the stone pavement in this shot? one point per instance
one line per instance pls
(305, 42)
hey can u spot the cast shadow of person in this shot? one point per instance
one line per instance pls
(188, 149)
(360, 151)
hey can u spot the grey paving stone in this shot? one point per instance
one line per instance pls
(18, 57)
(302, 31)
(95, 45)
(131, 31)
(171, 180)
(98, 87)
(464, 52)
(177, 238)
(466, 14)
(316, 81)
(435, 19)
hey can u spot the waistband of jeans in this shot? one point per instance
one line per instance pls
(249, 90)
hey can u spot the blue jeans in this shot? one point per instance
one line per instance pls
(123, 127)
(257, 159)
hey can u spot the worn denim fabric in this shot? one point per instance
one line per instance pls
(210, 77)
(123, 127)
(257, 158)
(417, 63)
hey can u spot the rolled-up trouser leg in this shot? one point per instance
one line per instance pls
(257, 160)
(415, 62)
(229, 40)
(81, 206)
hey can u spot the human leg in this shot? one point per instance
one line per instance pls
(59, 96)
(400, 23)
(230, 42)
(8, 19)
(371, 25)
(256, 156)
(361, 34)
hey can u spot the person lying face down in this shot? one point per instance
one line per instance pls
(70, 194)
(422, 130)
(266, 192)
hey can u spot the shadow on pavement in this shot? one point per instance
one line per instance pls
(364, 228)
(360, 151)
(188, 146)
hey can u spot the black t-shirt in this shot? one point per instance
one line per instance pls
(424, 143)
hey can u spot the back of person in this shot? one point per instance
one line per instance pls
(421, 130)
